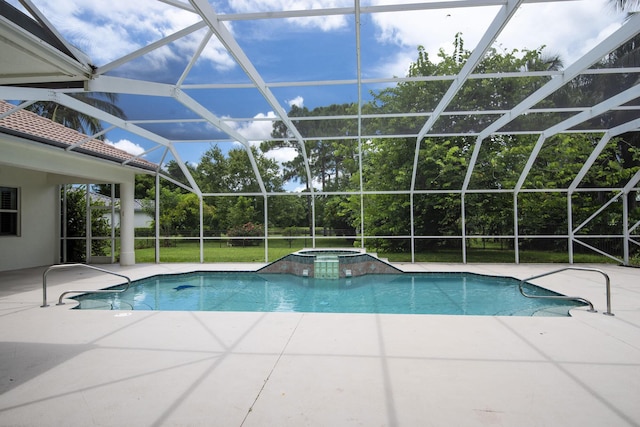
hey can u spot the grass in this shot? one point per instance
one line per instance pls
(219, 251)
(497, 256)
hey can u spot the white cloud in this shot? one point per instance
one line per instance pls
(107, 30)
(299, 188)
(298, 101)
(396, 65)
(128, 146)
(255, 130)
(282, 155)
(324, 23)
(566, 28)
(433, 29)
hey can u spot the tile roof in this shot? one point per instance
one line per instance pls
(36, 128)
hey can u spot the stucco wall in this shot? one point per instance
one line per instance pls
(37, 170)
(37, 244)
(140, 219)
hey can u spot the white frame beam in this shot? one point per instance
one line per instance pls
(499, 22)
(226, 38)
(206, 17)
(623, 34)
(601, 108)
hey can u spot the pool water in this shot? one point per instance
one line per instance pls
(422, 293)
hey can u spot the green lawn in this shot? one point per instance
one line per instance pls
(219, 251)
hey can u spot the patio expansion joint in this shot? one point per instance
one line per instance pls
(631, 327)
(273, 368)
(562, 367)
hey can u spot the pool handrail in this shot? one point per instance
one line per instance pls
(99, 291)
(563, 297)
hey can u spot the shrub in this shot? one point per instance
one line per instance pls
(250, 230)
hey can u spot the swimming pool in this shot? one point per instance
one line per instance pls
(420, 293)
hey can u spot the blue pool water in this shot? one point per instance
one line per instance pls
(423, 293)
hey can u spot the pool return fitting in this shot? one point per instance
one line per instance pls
(567, 298)
(101, 291)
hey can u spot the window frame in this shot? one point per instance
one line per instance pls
(11, 211)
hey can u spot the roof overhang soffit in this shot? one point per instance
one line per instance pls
(47, 56)
(55, 35)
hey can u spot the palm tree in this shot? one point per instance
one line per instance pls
(545, 62)
(77, 120)
(626, 5)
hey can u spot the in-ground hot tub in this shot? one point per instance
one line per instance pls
(330, 263)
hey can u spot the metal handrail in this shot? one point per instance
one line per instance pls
(100, 291)
(562, 297)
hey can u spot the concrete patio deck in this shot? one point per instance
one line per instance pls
(63, 367)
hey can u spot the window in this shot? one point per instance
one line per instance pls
(9, 211)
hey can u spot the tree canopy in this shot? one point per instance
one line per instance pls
(340, 174)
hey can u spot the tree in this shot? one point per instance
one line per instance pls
(180, 213)
(233, 173)
(242, 212)
(145, 186)
(76, 225)
(77, 120)
(589, 89)
(331, 162)
(288, 211)
(442, 162)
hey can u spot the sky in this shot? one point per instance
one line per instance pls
(309, 49)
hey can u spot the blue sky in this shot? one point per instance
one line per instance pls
(320, 48)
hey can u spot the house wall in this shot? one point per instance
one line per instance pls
(38, 170)
(140, 219)
(37, 243)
